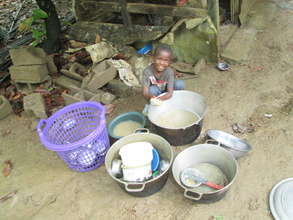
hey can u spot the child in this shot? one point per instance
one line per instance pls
(159, 77)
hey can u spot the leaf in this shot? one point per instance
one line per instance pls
(37, 34)
(7, 168)
(39, 14)
(34, 43)
(25, 25)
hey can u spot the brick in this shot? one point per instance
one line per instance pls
(28, 56)
(34, 103)
(29, 74)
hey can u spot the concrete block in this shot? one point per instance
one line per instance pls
(71, 75)
(5, 107)
(69, 99)
(29, 74)
(66, 82)
(119, 89)
(101, 74)
(28, 56)
(35, 103)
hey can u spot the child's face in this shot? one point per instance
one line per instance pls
(162, 60)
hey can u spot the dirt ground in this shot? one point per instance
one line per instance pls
(47, 189)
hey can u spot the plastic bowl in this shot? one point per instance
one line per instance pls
(156, 160)
(128, 116)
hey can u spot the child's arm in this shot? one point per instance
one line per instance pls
(167, 95)
(146, 93)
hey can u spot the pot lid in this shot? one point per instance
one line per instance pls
(281, 200)
(229, 140)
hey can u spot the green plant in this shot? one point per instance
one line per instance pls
(35, 24)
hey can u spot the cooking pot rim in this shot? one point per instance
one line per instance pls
(146, 181)
(213, 192)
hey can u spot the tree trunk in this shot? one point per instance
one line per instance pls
(53, 27)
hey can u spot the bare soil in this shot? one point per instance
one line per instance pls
(47, 189)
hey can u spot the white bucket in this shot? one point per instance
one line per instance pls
(136, 159)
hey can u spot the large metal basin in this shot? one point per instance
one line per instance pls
(205, 153)
(148, 187)
(181, 100)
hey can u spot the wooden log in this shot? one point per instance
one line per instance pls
(89, 7)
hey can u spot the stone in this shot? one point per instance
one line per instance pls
(193, 39)
(107, 98)
(5, 107)
(101, 74)
(66, 82)
(238, 48)
(34, 103)
(118, 88)
(182, 67)
(100, 51)
(29, 74)
(28, 56)
(199, 66)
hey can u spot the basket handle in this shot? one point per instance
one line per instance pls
(40, 126)
(129, 189)
(190, 195)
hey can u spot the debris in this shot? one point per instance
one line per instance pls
(100, 75)
(29, 74)
(268, 115)
(5, 107)
(110, 108)
(66, 82)
(5, 133)
(51, 65)
(125, 72)
(100, 51)
(76, 71)
(34, 104)
(240, 128)
(7, 168)
(28, 56)
(139, 63)
(119, 88)
(8, 196)
(107, 98)
(77, 44)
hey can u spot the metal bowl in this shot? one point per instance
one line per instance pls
(235, 145)
(223, 66)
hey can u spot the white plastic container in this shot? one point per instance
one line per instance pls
(136, 161)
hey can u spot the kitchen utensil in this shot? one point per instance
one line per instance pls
(200, 154)
(150, 186)
(180, 100)
(156, 160)
(281, 200)
(192, 178)
(235, 145)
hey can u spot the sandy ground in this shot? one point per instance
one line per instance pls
(47, 189)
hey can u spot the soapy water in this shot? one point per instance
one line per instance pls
(126, 128)
(176, 119)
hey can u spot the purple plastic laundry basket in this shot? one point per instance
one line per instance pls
(78, 134)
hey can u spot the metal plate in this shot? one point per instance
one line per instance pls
(281, 200)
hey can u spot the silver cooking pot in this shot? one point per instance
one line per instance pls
(180, 100)
(205, 153)
(148, 187)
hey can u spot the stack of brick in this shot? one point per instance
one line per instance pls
(30, 65)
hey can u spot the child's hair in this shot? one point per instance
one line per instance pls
(163, 47)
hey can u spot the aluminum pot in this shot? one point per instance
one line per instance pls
(180, 100)
(235, 145)
(150, 186)
(205, 153)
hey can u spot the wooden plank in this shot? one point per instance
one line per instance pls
(141, 8)
(125, 15)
